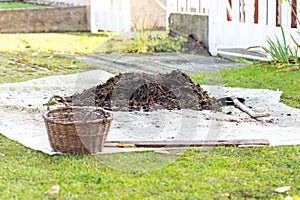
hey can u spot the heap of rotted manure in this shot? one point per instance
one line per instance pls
(142, 91)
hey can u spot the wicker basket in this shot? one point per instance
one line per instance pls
(77, 129)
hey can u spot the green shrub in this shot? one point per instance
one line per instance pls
(170, 44)
(143, 41)
(281, 52)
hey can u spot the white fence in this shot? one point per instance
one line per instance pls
(110, 15)
(245, 23)
(232, 23)
(188, 6)
(114, 15)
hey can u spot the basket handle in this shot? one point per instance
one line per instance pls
(105, 114)
(64, 101)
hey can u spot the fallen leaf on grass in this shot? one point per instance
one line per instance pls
(22, 60)
(283, 189)
(53, 190)
(35, 53)
(225, 195)
(288, 198)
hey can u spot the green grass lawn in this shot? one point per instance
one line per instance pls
(19, 5)
(28, 56)
(59, 43)
(207, 173)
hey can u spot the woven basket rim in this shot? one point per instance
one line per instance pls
(80, 107)
(75, 122)
(92, 108)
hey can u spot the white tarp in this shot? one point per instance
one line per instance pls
(22, 108)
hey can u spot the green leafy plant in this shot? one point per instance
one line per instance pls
(143, 41)
(140, 37)
(283, 54)
(294, 52)
(277, 50)
(170, 44)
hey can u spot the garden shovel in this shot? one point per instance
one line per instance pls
(238, 102)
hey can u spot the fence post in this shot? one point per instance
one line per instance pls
(93, 26)
(298, 15)
(249, 13)
(168, 8)
(262, 12)
(285, 20)
(212, 46)
(271, 13)
(127, 8)
(236, 11)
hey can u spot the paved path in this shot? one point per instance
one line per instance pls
(159, 63)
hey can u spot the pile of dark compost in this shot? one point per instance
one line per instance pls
(142, 91)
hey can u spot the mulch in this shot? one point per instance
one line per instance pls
(147, 92)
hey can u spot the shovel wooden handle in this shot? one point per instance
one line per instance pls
(247, 110)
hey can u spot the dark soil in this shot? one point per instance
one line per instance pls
(192, 45)
(141, 91)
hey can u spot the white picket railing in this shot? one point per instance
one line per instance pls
(114, 15)
(194, 7)
(232, 23)
(110, 15)
(247, 23)
(200, 7)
